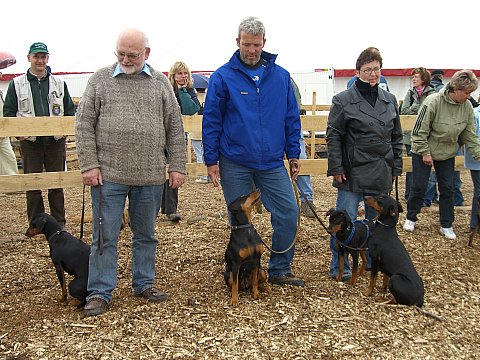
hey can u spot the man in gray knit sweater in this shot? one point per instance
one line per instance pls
(127, 117)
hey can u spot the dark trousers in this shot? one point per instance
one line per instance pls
(169, 199)
(444, 170)
(37, 158)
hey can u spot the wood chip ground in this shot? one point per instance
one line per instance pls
(324, 320)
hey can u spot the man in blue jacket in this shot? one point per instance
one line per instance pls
(250, 121)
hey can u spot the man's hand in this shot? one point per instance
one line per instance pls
(340, 178)
(92, 177)
(294, 165)
(175, 179)
(213, 172)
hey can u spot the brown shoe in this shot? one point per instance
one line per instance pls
(153, 295)
(95, 306)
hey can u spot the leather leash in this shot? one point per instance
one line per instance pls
(325, 227)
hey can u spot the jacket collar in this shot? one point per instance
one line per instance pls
(380, 106)
(236, 63)
(30, 76)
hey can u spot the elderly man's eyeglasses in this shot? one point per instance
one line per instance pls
(370, 70)
(130, 56)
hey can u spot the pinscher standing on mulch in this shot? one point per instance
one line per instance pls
(351, 237)
(67, 253)
(244, 250)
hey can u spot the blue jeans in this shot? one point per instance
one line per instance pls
(431, 192)
(457, 193)
(277, 197)
(303, 181)
(475, 174)
(348, 201)
(144, 204)
(444, 170)
(198, 149)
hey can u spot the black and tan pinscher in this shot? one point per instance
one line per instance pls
(244, 250)
(475, 230)
(68, 254)
(390, 256)
(351, 237)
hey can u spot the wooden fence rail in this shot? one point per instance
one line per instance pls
(10, 127)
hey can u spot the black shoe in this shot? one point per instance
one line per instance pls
(287, 279)
(95, 306)
(153, 295)
(173, 217)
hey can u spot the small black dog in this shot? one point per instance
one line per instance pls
(390, 256)
(67, 253)
(244, 250)
(351, 237)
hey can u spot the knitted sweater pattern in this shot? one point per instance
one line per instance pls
(125, 123)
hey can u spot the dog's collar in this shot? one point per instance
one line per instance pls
(381, 223)
(236, 227)
(55, 234)
(352, 233)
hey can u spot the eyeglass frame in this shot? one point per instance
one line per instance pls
(369, 71)
(130, 56)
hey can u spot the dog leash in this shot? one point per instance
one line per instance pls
(326, 228)
(82, 218)
(100, 221)
(250, 226)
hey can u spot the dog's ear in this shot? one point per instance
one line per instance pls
(40, 221)
(235, 204)
(393, 211)
(329, 212)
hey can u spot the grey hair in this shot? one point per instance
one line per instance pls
(463, 80)
(251, 25)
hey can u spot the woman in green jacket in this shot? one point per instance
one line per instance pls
(444, 121)
(410, 106)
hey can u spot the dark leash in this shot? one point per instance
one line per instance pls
(250, 226)
(100, 219)
(339, 243)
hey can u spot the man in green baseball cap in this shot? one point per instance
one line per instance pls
(39, 93)
(38, 47)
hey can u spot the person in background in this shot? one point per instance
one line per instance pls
(181, 80)
(431, 195)
(474, 167)
(410, 106)
(39, 93)
(250, 121)
(303, 181)
(444, 120)
(8, 160)
(437, 80)
(368, 164)
(127, 117)
(196, 139)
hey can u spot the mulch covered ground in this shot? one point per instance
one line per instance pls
(324, 320)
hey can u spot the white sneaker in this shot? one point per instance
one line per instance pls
(448, 233)
(409, 225)
(202, 179)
